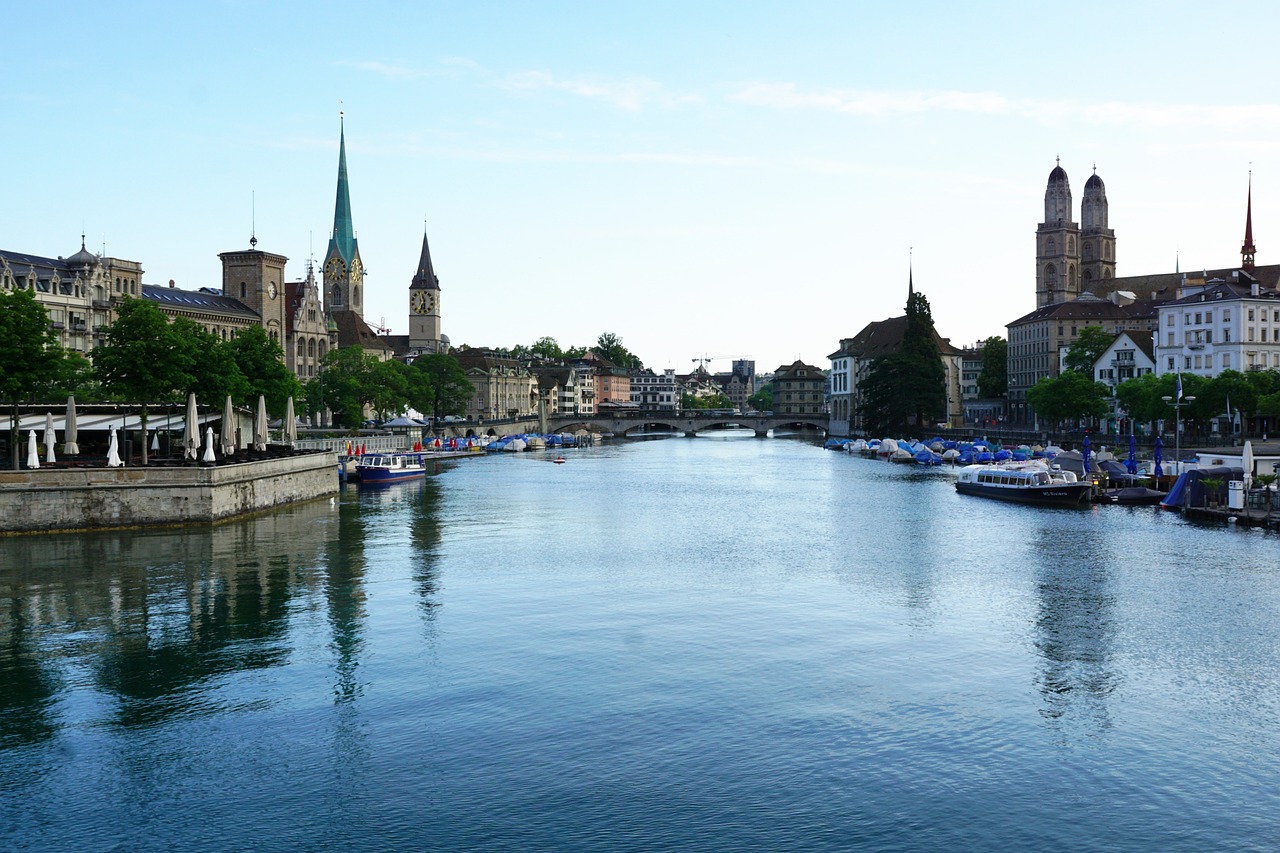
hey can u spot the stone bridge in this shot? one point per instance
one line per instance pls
(690, 422)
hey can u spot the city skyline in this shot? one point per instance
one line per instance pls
(713, 180)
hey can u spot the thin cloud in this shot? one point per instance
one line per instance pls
(888, 104)
(632, 94)
(391, 71)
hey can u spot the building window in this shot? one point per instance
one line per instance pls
(1226, 360)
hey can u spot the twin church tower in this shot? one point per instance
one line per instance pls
(1072, 256)
(344, 280)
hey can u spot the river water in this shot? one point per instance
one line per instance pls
(686, 644)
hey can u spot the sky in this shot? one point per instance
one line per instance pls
(702, 179)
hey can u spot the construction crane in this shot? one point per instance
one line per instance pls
(703, 361)
(381, 327)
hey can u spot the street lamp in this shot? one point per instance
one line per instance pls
(1177, 416)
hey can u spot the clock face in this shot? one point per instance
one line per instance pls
(356, 269)
(420, 302)
(271, 290)
(431, 302)
(333, 269)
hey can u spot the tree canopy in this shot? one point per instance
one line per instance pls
(30, 359)
(609, 346)
(993, 380)
(261, 361)
(448, 390)
(1068, 396)
(1087, 348)
(907, 388)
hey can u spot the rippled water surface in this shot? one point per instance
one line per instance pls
(707, 644)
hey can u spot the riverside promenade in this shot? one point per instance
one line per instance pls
(79, 497)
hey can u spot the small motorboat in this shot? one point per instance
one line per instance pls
(1134, 496)
(559, 460)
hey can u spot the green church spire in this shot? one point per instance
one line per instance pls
(344, 237)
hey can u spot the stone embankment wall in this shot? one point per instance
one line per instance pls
(88, 498)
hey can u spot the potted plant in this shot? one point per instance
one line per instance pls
(1211, 487)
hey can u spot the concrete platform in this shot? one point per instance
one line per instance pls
(66, 499)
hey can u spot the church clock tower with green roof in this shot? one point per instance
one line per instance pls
(343, 269)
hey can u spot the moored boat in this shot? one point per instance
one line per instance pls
(379, 468)
(1029, 484)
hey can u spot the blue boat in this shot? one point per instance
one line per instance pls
(380, 468)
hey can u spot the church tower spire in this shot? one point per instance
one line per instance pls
(343, 268)
(424, 304)
(1247, 251)
(343, 233)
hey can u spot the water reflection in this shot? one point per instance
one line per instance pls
(148, 619)
(1075, 626)
(345, 597)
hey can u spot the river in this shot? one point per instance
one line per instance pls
(719, 643)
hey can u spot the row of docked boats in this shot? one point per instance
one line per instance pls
(1031, 474)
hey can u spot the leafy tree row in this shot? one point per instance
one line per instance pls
(143, 359)
(351, 380)
(608, 346)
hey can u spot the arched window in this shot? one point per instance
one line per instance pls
(1051, 246)
(1071, 245)
(320, 349)
(337, 295)
(1088, 251)
(244, 290)
(1049, 274)
(311, 348)
(302, 348)
(1071, 276)
(355, 295)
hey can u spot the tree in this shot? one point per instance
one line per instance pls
(29, 355)
(762, 400)
(1087, 348)
(391, 389)
(907, 387)
(1069, 396)
(142, 360)
(448, 390)
(344, 386)
(993, 380)
(261, 361)
(609, 346)
(546, 347)
(210, 363)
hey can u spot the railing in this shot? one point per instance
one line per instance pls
(339, 445)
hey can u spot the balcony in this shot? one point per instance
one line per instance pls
(57, 325)
(102, 304)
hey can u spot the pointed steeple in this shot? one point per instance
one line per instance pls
(426, 274)
(911, 288)
(1248, 251)
(344, 237)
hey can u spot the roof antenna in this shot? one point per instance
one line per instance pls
(253, 219)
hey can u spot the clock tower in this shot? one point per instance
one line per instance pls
(343, 269)
(424, 305)
(256, 278)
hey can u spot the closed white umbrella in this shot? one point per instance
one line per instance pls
(50, 438)
(191, 438)
(228, 428)
(155, 440)
(113, 452)
(290, 424)
(70, 447)
(260, 425)
(33, 455)
(208, 446)
(1246, 462)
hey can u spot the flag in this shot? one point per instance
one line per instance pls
(1178, 396)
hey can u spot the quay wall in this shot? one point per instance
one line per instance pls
(88, 498)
